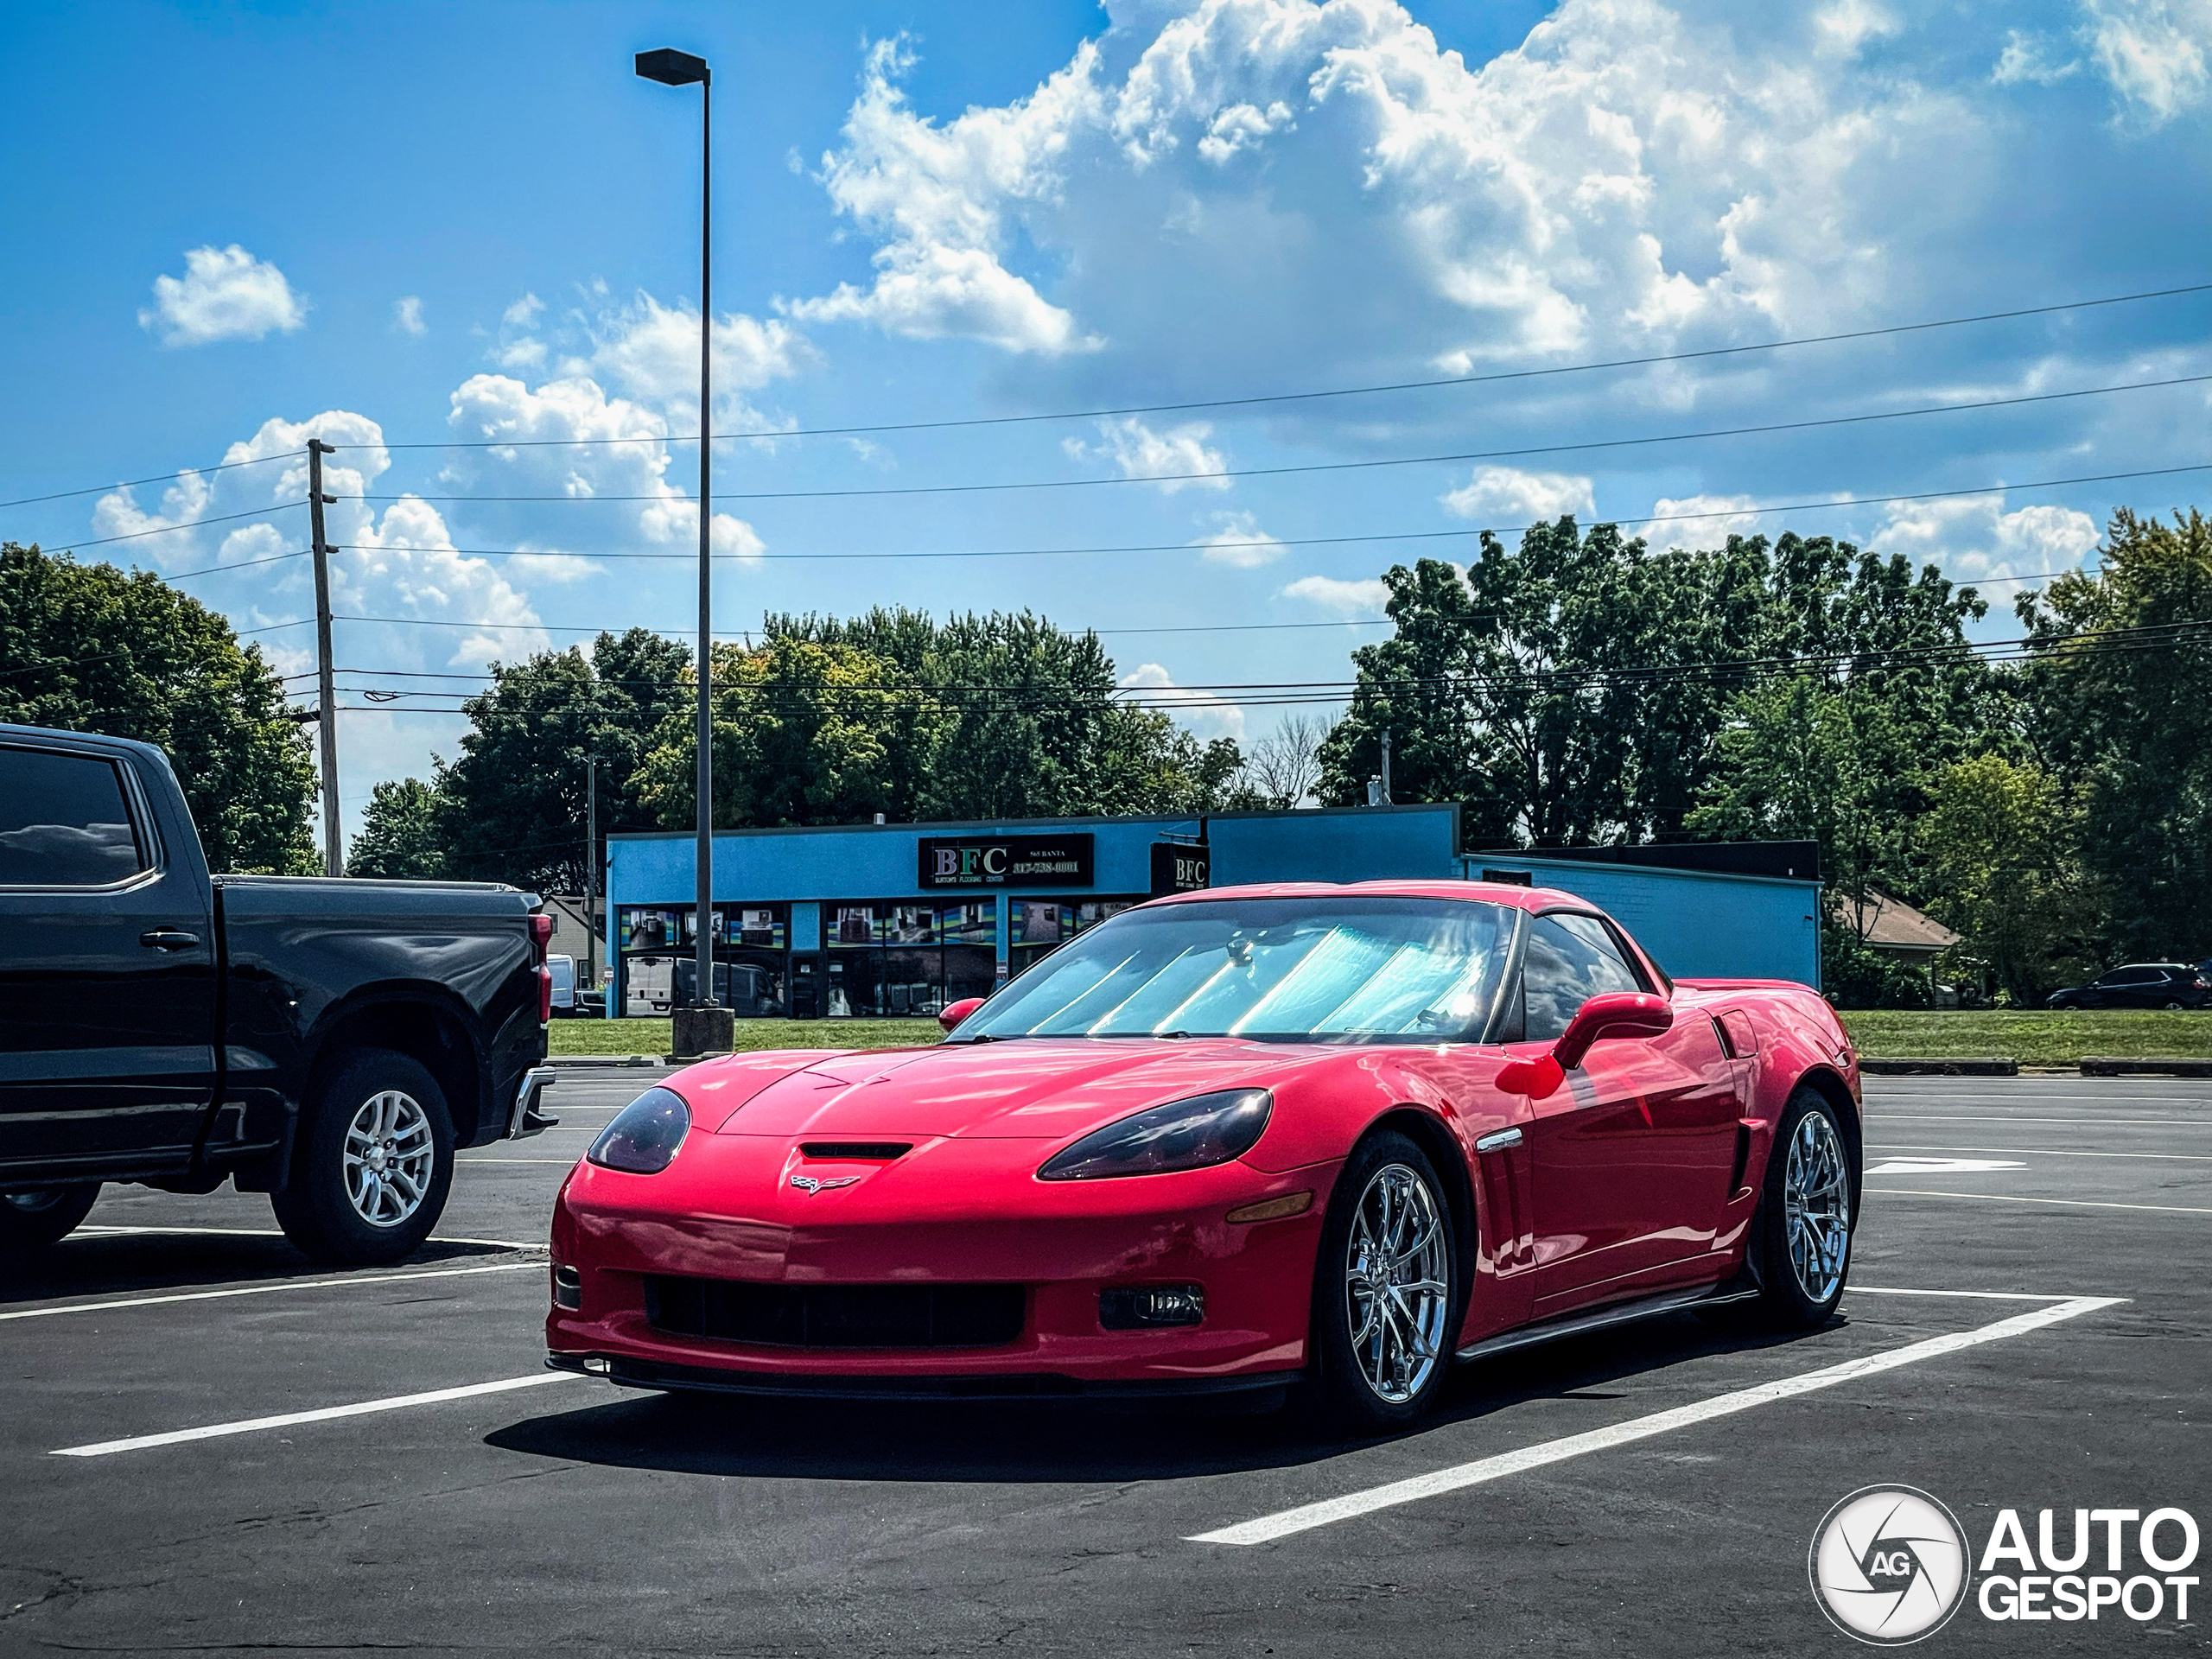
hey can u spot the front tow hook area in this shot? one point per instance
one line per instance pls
(525, 1120)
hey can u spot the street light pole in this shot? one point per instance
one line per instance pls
(673, 68)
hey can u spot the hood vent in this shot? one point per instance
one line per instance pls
(874, 1152)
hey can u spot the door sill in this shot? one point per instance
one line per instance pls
(1601, 1319)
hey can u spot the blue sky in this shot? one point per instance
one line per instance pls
(393, 224)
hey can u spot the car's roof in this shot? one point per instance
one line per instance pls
(1494, 893)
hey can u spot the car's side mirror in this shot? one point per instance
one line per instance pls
(953, 1012)
(1615, 1013)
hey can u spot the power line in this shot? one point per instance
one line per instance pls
(177, 529)
(1341, 466)
(1194, 404)
(163, 477)
(1320, 541)
(1868, 661)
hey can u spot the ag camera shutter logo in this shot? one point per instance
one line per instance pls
(1889, 1565)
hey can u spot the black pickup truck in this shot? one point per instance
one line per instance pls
(329, 1043)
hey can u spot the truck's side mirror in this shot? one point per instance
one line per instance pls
(953, 1012)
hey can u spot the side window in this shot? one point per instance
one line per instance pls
(63, 823)
(2130, 976)
(1569, 960)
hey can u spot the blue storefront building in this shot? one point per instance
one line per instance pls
(884, 920)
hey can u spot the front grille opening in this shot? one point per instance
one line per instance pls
(836, 1316)
(881, 1152)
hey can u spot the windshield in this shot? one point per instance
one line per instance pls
(1353, 969)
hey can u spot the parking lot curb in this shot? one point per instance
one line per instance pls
(1933, 1068)
(2146, 1068)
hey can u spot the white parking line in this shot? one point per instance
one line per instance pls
(266, 1290)
(2010, 1197)
(2059, 1152)
(2012, 1118)
(1978, 1295)
(360, 1408)
(1268, 1528)
(278, 1232)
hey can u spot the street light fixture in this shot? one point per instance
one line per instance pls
(673, 68)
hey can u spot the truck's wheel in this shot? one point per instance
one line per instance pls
(46, 1215)
(1804, 1222)
(375, 1161)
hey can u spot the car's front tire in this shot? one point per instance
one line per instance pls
(1805, 1214)
(1385, 1287)
(375, 1164)
(45, 1214)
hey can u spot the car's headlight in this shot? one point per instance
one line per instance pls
(1182, 1134)
(645, 1134)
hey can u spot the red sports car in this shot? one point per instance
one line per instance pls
(1240, 1139)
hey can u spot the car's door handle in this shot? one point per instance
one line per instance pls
(1498, 1140)
(168, 938)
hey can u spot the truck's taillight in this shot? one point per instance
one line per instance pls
(544, 995)
(541, 933)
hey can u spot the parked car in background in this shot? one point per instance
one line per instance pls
(562, 971)
(329, 1043)
(2141, 985)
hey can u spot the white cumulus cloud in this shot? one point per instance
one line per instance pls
(2156, 53)
(936, 196)
(407, 316)
(1976, 540)
(224, 294)
(399, 564)
(1207, 715)
(1363, 597)
(1179, 457)
(1238, 541)
(1701, 520)
(1508, 493)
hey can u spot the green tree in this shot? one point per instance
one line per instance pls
(88, 648)
(2120, 688)
(510, 806)
(801, 736)
(1577, 689)
(1005, 715)
(2000, 841)
(400, 833)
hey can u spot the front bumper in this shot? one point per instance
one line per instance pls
(949, 1213)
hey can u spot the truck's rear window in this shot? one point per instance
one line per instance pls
(63, 822)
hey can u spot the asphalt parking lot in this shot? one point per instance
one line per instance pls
(1552, 1509)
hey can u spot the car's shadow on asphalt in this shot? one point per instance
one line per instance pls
(1021, 1441)
(94, 1264)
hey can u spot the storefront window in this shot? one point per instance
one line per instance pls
(891, 960)
(659, 967)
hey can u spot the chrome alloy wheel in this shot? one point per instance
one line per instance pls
(1816, 1207)
(1397, 1284)
(389, 1154)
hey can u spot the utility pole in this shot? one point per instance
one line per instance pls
(1386, 766)
(591, 863)
(334, 856)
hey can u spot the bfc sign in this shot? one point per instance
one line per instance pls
(1005, 860)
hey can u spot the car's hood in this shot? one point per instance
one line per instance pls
(1044, 1088)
